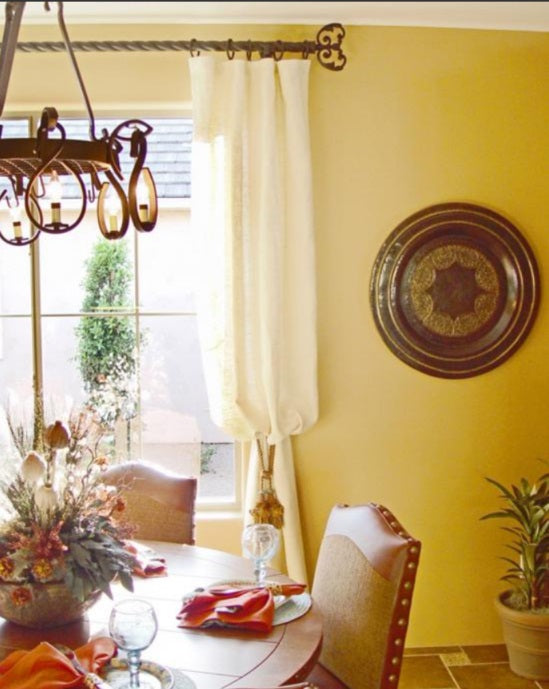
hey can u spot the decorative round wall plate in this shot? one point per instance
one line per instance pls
(454, 290)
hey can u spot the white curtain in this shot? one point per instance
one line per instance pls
(253, 225)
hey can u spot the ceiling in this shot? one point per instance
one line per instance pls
(518, 16)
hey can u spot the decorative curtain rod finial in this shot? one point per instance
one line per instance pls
(328, 48)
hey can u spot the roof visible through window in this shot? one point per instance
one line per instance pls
(168, 151)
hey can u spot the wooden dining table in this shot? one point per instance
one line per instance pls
(210, 658)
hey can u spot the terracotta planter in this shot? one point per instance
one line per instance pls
(526, 635)
(42, 605)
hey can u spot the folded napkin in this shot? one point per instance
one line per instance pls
(148, 563)
(239, 607)
(46, 667)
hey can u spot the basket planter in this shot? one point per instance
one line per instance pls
(42, 605)
(526, 636)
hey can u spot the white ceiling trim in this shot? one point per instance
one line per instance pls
(517, 16)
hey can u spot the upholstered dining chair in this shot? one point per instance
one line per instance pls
(363, 585)
(160, 503)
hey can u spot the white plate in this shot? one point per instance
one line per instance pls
(157, 676)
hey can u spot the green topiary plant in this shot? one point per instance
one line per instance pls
(526, 505)
(107, 352)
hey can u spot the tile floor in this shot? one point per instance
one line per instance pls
(461, 667)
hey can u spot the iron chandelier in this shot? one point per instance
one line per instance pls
(33, 166)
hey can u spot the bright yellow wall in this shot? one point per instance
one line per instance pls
(418, 116)
(423, 116)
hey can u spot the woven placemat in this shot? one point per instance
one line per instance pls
(182, 681)
(294, 607)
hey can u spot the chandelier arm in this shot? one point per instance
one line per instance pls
(147, 221)
(48, 124)
(36, 178)
(144, 217)
(112, 232)
(61, 228)
(14, 13)
(32, 207)
(4, 195)
(70, 51)
(91, 191)
(20, 242)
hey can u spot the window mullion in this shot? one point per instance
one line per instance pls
(137, 304)
(37, 363)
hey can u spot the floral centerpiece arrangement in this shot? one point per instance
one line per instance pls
(63, 542)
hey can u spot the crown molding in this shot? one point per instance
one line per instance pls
(515, 16)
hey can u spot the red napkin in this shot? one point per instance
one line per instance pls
(45, 666)
(249, 607)
(148, 563)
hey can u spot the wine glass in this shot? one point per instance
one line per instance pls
(260, 543)
(133, 626)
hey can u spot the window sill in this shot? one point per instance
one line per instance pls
(217, 515)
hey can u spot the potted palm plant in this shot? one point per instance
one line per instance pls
(524, 607)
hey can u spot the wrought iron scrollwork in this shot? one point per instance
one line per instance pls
(25, 161)
(329, 52)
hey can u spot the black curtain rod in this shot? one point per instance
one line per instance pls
(326, 47)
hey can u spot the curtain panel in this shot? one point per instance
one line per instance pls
(252, 217)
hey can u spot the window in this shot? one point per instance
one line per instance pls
(133, 351)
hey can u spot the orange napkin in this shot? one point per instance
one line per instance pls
(247, 607)
(94, 655)
(45, 666)
(148, 563)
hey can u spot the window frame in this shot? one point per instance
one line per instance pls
(208, 505)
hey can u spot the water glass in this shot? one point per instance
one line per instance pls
(133, 626)
(260, 543)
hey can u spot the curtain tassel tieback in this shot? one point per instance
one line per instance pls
(268, 509)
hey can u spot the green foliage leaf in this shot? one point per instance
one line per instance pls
(107, 345)
(527, 506)
(126, 580)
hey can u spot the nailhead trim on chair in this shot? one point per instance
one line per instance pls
(399, 622)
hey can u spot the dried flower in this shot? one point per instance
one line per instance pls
(56, 436)
(7, 566)
(33, 468)
(42, 569)
(68, 533)
(120, 504)
(21, 595)
(42, 543)
(46, 498)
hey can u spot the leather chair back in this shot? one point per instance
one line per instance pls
(363, 585)
(159, 503)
